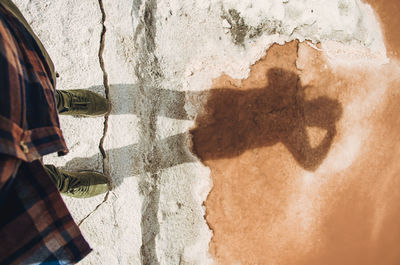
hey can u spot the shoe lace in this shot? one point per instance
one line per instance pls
(78, 102)
(75, 185)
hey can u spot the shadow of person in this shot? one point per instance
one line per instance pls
(238, 120)
(234, 121)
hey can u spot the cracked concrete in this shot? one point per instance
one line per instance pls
(106, 117)
(106, 86)
(95, 209)
(153, 60)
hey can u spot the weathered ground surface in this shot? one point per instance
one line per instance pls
(154, 213)
(301, 147)
(305, 169)
(304, 160)
(387, 12)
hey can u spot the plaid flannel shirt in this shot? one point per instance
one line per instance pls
(35, 225)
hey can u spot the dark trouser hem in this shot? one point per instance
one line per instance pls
(55, 176)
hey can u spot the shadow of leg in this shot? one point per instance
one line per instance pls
(168, 152)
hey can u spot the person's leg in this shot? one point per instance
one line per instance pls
(54, 175)
(81, 102)
(79, 184)
(59, 101)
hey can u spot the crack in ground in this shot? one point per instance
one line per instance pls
(106, 87)
(106, 117)
(95, 209)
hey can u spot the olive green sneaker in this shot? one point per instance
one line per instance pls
(79, 184)
(81, 102)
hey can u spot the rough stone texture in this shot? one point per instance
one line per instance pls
(159, 63)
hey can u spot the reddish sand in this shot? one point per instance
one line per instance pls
(305, 162)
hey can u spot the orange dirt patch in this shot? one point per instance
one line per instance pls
(304, 161)
(388, 13)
